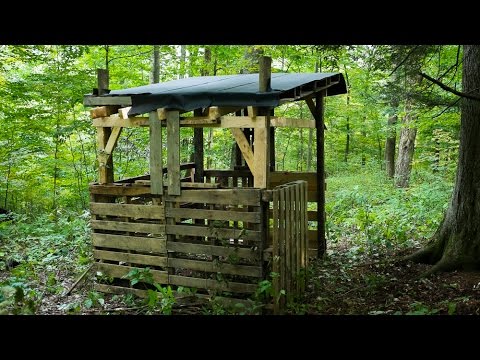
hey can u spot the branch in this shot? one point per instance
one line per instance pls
(403, 61)
(448, 107)
(128, 56)
(449, 89)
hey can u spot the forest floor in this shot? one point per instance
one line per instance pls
(344, 283)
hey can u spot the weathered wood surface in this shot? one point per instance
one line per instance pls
(128, 210)
(156, 167)
(143, 244)
(127, 226)
(173, 153)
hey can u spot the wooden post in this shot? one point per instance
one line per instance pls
(173, 155)
(320, 129)
(105, 168)
(156, 166)
(262, 131)
(198, 150)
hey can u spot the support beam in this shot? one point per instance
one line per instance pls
(198, 150)
(173, 154)
(244, 146)
(156, 173)
(105, 164)
(320, 132)
(262, 132)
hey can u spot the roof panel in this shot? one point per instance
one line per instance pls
(225, 90)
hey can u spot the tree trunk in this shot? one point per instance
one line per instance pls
(183, 56)
(406, 147)
(456, 244)
(156, 64)
(390, 146)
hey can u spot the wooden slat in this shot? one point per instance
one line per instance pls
(127, 226)
(212, 284)
(123, 112)
(128, 210)
(89, 100)
(244, 147)
(156, 167)
(282, 245)
(288, 243)
(188, 248)
(209, 266)
(173, 154)
(298, 242)
(193, 185)
(130, 258)
(103, 111)
(112, 140)
(216, 111)
(129, 243)
(227, 173)
(282, 177)
(118, 271)
(116, 120)
(261, 167)
(312, 215)
(250, 197)
(276, 249)
(251, 217)
(221, 233)
(119, 190)
(289, 122)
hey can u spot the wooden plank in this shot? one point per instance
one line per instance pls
(156, 167)
(298, 239)
(251, 217)
(283, 177)
(105, 165)
(103, 111)
(194, 185)
(112, 140)
(212, 284)
(215, 112)
(244, 147)
(311, 215)
(173, 154)
(119, 190)
(282, 245)
(319, 110)
(291, 122)
(275, 250)
(130, 258)
(288, 244)
(129, 210)
(145, 244)
(243, 253)
(227, 173)
(123, 112)
(118, 271)
(89, 100)
(116, 120)
(305, 236)
(216, 266)
(261, 167)
(242, 122)
(220, 233)
(128, 226)
(238, 196)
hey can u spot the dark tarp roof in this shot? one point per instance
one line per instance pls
(225, 90)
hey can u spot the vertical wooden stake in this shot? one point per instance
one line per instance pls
(198, 150)
(320, 129)
(173, 154)
(156, 173)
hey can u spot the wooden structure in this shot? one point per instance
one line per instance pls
(219, 231)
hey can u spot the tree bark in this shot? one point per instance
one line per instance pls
(456, 244)
(406, 148)
(156, 64)
(390, 146)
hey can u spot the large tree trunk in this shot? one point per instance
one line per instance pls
(456, 244)
(406, 147)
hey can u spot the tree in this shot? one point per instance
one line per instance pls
(456, 243)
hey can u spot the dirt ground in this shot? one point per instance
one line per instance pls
(340, 284)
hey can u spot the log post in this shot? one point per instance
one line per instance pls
(105, 168)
